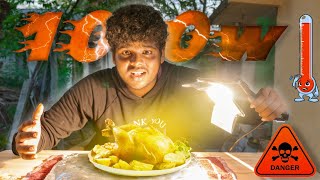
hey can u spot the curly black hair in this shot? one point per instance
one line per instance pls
(134, 23)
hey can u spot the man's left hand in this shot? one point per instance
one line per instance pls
(268, 104)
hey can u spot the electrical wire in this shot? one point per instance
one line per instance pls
(237, 141)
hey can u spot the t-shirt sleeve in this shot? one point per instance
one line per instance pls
(69, 114)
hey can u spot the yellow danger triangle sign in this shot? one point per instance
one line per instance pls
(285, 157)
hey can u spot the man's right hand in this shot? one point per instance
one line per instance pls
(29, 134)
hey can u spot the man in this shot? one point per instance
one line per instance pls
(142, 88)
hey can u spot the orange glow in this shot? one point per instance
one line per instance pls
(233, 47)
(176, 29)
(78, 47)
(45, 27)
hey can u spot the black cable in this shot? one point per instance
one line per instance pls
(237, 141)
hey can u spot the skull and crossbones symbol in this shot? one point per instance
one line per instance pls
(285, 151)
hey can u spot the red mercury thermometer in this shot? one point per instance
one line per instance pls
(304, 82)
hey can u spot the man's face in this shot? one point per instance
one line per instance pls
(138, 65)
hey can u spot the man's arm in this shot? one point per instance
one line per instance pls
(69, 114)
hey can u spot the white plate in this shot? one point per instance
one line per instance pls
(124, 172)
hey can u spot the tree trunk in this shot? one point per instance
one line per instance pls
(217, 11)
(95, 66)
(204, 6)
(22, 110)
(44, 84)
(7, 97)
(77, 71)
(53, 79)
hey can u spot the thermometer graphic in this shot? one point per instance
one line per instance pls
(304, 82)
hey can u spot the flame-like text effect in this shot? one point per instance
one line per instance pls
(232, 45)
(45, 27)
(78, 46)
(177, 27)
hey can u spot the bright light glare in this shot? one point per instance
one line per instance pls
(224, 111)
(219, 93)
